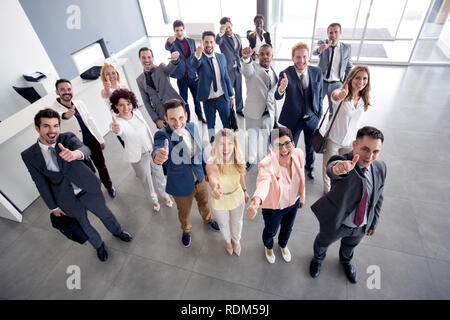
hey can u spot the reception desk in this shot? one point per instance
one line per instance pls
(17, 189)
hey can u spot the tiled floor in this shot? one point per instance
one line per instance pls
(411, 246)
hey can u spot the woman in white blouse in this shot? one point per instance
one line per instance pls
(132, 127)
(355, 98)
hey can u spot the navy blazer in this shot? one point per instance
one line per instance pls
(185, 61)
(206, 75)
(180, 167)
(55, 188)
(291, 112)
(347, 192)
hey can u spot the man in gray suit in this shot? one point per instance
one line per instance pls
(66, 184)
(154, 84)
(352, 207)
(260, 105)
(335, 61)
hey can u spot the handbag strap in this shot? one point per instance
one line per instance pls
(334, 118)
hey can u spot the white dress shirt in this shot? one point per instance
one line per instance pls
(215, 94)
(334, 72)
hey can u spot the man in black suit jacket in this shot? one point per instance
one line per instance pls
(66, 184)
(352, 207)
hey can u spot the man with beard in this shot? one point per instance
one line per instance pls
(260, 105)
(77, 119)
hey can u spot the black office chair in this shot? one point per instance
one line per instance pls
(28, 93)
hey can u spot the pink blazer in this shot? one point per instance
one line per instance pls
(268, 186)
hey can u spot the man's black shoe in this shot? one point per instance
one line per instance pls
(310, 174)
(350, 272)
(240, 113)
(124, 236)
(102, 254)
(202, 119)
(314, 269)
(112, 192)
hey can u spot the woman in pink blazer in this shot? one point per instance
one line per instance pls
(280, 190)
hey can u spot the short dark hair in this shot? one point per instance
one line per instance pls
(225, 20)
(173, 103)
(208, 33)
(265, 45)
(178, 23)
(258, 16)
(279, 133)
(334, 24)
(144, 49)
(45, 113)
(61, 81)
(124, 94)
(372, 132)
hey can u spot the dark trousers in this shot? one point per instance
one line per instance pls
(223, 107)
(273, 219)
(95, 203)
(308, 127)
(99, 161)
(327, 90)
(236, 83)
(350, 238)
(183, 85)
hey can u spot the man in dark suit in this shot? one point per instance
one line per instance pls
(335, 61)
(214, 86)
(230, 45)
(302, 108)
(185, 73)
(66, 184)
(352, 207)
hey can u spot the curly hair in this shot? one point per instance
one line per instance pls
(124, 94)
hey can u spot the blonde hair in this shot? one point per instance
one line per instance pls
(102, 72)
(365, 93)
(238, 157)
(300, 45)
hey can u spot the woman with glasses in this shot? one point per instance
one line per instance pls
(280, 190)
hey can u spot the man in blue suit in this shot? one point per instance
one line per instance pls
(214, 88)
(184, 73)
(302, 86)
(178, 147)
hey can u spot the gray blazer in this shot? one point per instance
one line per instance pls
(155, 99)
(346, 60)
(346, 193)
(231, 54)
(258, 93)
(55, 188)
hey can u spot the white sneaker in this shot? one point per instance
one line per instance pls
(271, 258)
(287, 257)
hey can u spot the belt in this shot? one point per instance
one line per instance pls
(227, 193)
(306, 117)
(330, 81)
(81, 193)
(215, 99)
(351, 228)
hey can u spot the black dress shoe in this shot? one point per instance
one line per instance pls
(102, 254)
(310, 174)
(112, 192)
(248, 166)
(240, 113)
(314, 268)
(124, 236)
(202, 119)
(350, 272)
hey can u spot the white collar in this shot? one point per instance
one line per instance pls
(44, 146)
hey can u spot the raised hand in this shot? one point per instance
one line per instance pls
(324, 46)
(199, 50)
(344, 167)
(172, 39)
(162, 154)
(160, 124)
(217, 192)
(107, 84)
(69, 113)
(343, 92)
(284, 82)
(68, 155)
(174, 56)
(247, 52)
(253, 208)
(223, 27)
(115, 126)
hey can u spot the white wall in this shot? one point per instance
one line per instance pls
(22, 52)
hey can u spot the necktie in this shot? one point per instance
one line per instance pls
(148, 78)
(54, 156)
(303, 81)
(210, 59)
(331, 62)
(361, 208)
(270, 79)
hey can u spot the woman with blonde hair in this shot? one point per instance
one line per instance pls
(226, 174)
(353, 99)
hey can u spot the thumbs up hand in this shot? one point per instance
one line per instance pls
(283, 83)
(217, 192)
(253, 208)
(199, 50)
(68, 155)
(69, 113)
(343, 92)
(162, 154)
(344, 167)
(174, 56)
(115, 127)
(247, 52)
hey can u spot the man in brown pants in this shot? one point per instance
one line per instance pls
(185, 165)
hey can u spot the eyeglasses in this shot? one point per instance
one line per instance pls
(287, 144)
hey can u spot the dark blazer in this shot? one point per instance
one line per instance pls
(290, 113)
(55, 188)
(252, 38)
(232, 55)
(206, 75)
(180, 180)
(346, 193)
(184, 61)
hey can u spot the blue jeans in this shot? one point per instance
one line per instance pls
(189, 83)
(223, 107)
(308, 126)
(276, 218)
